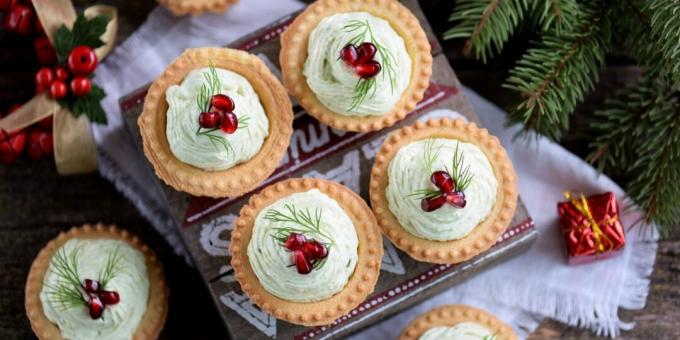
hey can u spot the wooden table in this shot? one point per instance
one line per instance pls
(36, 204)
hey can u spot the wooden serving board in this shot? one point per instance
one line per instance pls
(345, 157)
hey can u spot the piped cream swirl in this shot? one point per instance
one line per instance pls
(272, 263)
(461, 331)
(118, 321)
(199, 150)
(334, 82)
(406, 175)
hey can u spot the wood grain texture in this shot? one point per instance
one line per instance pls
(36, 204)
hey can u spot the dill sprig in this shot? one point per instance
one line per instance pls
(430, 155)
(461, 175)
(425, 193)
(111, 269)
(366, 86)
(303, 222)
(67, 292)
(210, 88)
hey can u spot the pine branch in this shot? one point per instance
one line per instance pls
(553, 76)
(558, 15)
(649, 31)
(487, 25)
(638, 137)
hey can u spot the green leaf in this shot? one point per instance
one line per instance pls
(90, 106)
(88, 32)
(63, 43)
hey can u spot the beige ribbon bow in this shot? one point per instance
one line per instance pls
(74, 146)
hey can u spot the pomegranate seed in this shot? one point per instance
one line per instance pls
(91, 286)
(303, 265)
(222, 103)
(320, 250)
(366, 52)
(309, 250)
(209, 120)
(443, 181)
(432, 203)
(96, 307)
(229, 123)
(349, 54)
(368, 69)
(295, 241)
(456, 198)
(109, 297)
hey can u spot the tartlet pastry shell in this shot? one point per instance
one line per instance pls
(451, 315)
(486, 233)
(195, 7)
(243, 177)
(294, 54)
(360, 284)
(157, 307)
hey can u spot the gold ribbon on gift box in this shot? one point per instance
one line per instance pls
(74, 146)
(582, 206)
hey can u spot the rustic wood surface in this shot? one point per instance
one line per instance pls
(36, 204)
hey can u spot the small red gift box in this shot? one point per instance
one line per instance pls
(591, 227)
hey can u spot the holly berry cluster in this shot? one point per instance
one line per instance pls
(81, 62)
(447, 193)
(38, 136)
(98, 298)
(220, 114)
(360, 58)
(306, 252)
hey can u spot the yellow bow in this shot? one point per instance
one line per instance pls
(582, 206)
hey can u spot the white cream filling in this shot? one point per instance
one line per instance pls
(334, 82)
(199, 150)
(118, 321)
(406, 174)
(461, 331)
(273, 264)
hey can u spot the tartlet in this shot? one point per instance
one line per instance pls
(294, 56)
(477, 237)
(451, 315)
(195, 7)
(241, 177)
(155, 313)
(322, 311)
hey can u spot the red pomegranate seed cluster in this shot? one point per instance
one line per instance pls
(221, 114)
(98, 298)
(447, 186)
(306, 252)
(361, 59)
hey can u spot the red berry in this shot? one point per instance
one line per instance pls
(442, 180)
(96, 307)
(209, 120)
(222, 103)
(6, 5)
(61, 73)
(82, 60)
(368, 69)
(349, 54)
(432, 203)
(40, 144)
(44, 51)
(109, 297)
(456, 198)
(37, 26)
(58, 89)
(81, 86)
(229, 123)
(295, 241)
(19, 20)
(91, 286)
(303, 265)
(366, 52)
(11, 145)
(309, 249)
(44, 77)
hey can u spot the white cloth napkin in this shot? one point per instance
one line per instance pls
(521, 292)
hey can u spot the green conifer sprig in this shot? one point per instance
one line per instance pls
(638, 138)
